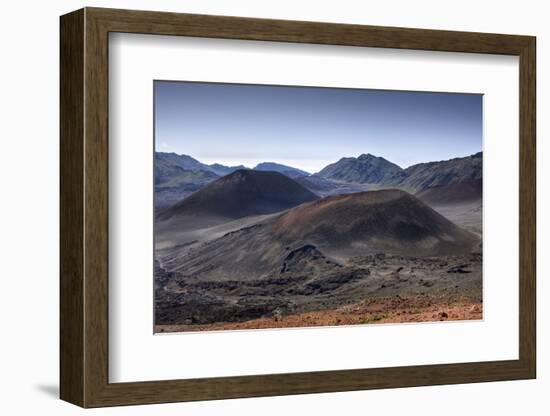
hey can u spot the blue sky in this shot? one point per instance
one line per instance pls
(308, 128)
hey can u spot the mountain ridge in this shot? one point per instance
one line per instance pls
(178, 176)
(365, 168)
(426, 175)
(369, 169)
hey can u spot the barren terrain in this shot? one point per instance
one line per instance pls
(410, 309)
(257, 249)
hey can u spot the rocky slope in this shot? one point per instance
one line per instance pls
(428, 175)
(461, 192)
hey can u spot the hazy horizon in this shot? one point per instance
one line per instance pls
(253, 165)
(311, 127)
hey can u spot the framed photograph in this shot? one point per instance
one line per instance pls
(257, 207)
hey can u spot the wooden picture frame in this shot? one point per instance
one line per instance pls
(84, 207)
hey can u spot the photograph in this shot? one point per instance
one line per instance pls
(279, 206)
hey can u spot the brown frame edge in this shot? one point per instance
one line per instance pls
(84, 207)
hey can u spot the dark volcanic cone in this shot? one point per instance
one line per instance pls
(387, 221)
(243, 193)
(338, 227)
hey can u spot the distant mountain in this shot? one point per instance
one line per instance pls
(171, 165)
(178, 176)
(242, 193)
(222, 170)
(427, 175)
(369, 169)
(166, 161)
(189, 178)
(303, 240)
(363, 169)
(285, 170)
(180, 185)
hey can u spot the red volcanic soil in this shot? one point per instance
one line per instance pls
(421, 308)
